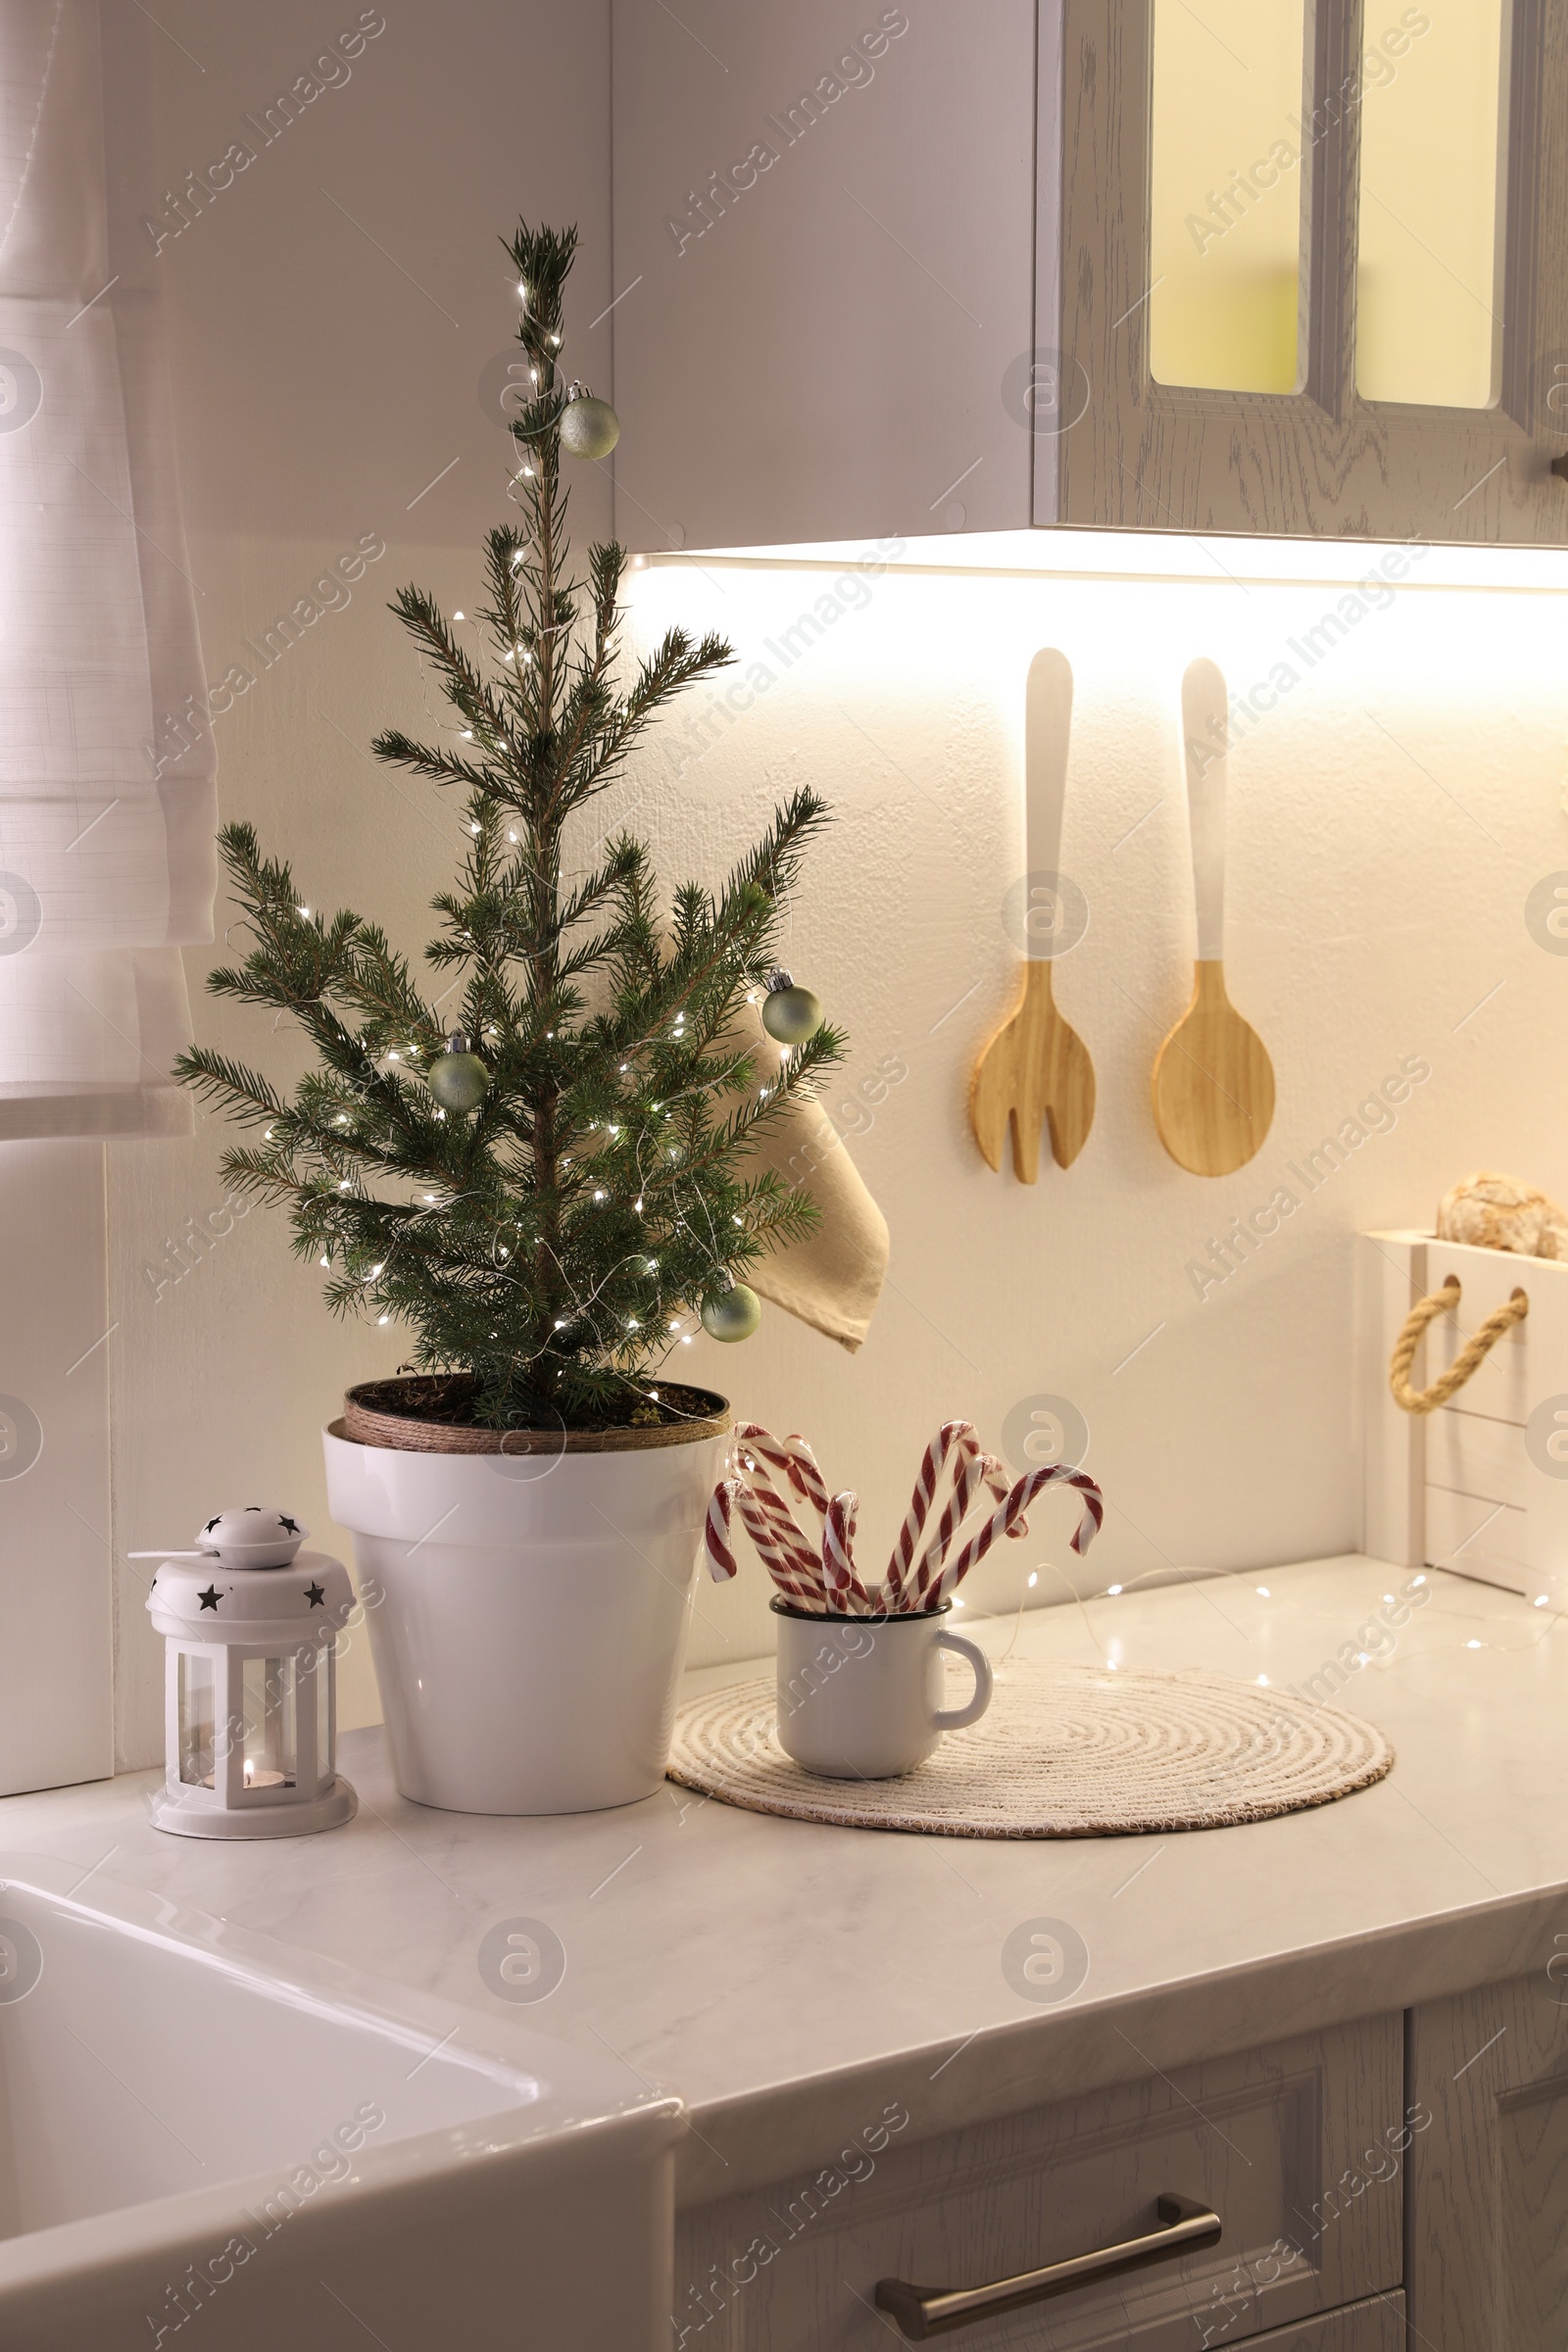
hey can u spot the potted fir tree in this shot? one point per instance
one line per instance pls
(546, 1188)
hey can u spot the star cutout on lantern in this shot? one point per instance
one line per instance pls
(209, 1599)
(290, 1527)
(316, 1596)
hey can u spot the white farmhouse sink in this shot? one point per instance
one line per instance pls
(212, 2142)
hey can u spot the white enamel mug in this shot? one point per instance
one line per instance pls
(859, 1699)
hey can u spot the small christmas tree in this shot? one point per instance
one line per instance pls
(550, 1188)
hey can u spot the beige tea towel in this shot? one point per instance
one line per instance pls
(831, 1278)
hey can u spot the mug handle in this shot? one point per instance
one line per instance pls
(985, 1682)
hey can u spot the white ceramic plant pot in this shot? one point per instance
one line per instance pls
(527, 1614)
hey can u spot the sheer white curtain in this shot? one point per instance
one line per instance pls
(107, 806)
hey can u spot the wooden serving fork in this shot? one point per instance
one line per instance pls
(1036, 1066)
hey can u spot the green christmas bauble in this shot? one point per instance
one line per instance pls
(792, 1014)
(735, 1316)
(589, 427)
(459, 1079)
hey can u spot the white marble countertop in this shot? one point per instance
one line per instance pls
(785, 1980)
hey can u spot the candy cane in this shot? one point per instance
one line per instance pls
(923, 1571)
(794, 1457)
(843, 1586)
(1094, 1512)
(802, 1586)
(753, 1463)
(716, 1532)
(802, 1555)
(838, 1566)
(955, 1449)
(995, 1472)
(807, 1476)
(951, 1438)
(967, 1482)
(759, 1453)
(805, 1564)
(975, 1469)
(1002, 1520)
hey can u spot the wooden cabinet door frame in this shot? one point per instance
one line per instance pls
(1319, 460)
(1484, 2064)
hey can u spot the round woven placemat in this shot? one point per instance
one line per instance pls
(1064, 1751)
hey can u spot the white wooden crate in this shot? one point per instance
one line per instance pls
(1460, 1488)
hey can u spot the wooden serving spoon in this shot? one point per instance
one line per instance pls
(1036, 1065)
(1213, 1080)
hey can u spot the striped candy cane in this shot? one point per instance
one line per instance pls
(949, 1442)
(838, 1555)
(1002, 1520)
(758, 1454)
(838, 1564)
(803, 1555)
(804, 1563)
(793, 1456)
(995, 1472)
(807, 1476)
(974, 1469)
(818, 1571)
(799, 1583)
(1093, 1511)
(968, 1479)
(716, 1532)
(751, 1462)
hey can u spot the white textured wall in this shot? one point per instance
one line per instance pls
(1389, 819)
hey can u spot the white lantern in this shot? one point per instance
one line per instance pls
(250, 1624)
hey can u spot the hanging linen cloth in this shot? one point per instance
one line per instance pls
(107, 800)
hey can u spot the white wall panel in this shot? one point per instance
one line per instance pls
(56, 1350)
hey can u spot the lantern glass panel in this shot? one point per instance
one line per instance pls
(271, 1743)
(198, 1717)
(325, 1761)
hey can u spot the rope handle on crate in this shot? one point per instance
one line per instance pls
(1475, 1350)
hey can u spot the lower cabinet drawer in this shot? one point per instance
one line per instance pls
(1373, 2326)
(1298, 2149)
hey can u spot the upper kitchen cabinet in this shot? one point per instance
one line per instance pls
(824, 235)
(1315, 272)
(1292, 267)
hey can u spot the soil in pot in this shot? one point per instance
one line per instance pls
(433, 1413)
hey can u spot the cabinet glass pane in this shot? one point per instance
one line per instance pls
(1225, 224)
(1429, 276)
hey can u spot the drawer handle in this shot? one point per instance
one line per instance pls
(926, 2311)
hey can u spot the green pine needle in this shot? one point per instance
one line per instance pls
(557, 1243)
